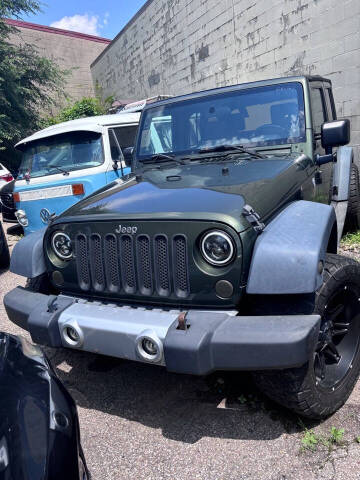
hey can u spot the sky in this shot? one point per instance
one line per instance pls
(104, 18)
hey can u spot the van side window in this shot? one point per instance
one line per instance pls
(126, 135)
(126, 138)
(115, 154)
(318, 108)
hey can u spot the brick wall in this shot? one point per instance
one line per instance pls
(72, 51)
(180, 46)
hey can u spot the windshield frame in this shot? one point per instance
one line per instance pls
(228, 91)
(67, 170)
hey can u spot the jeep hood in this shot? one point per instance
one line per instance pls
(209, 191)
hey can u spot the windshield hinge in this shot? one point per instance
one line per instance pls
(253, 218)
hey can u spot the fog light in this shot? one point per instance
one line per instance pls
(22, 218)
(149, 347)
(224, 289)
(72, 334)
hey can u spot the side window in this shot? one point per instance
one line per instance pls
(126, 135)
(331, 103)
(115, 154)
(318, 109)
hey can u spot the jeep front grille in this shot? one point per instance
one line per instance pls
(136, 265)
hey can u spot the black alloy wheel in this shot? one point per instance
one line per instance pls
(339, 338)
(321, 386)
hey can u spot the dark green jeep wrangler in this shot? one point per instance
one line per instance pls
(219, 251)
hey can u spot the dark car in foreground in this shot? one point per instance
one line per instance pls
(7, 204)
(4, 250)
(39, 428)
(219, 251)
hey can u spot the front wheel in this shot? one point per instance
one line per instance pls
(322, 386)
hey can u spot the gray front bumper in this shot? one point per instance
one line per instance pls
(213, 340)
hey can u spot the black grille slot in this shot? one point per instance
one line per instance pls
(82, 262)
(181, 277)
(144, 264)
(128, 264)
(112, 263)
(162, 265)
(96, 262)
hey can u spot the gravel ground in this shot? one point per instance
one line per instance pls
(140, 422)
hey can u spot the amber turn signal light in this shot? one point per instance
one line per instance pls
(16, 197)
(78, 189)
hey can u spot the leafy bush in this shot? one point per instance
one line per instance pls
(29, 83)
(86, 107)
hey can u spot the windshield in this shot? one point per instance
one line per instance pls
(61, 153)
(260, 116)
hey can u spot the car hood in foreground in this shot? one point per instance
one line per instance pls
(39, 431)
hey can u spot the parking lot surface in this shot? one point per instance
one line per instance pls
(141, 422)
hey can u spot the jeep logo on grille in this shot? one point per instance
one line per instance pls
(130, 229)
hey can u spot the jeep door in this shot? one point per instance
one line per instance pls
(322, 179)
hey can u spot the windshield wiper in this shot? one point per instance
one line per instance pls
(225, 148)
(161, 156)
(65, 172)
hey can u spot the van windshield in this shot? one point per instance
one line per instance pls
(61, 153)
(253, 117)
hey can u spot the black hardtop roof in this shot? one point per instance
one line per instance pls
(240, 86)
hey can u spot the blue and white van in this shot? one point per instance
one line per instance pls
(66, 162)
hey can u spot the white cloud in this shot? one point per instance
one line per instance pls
(80, 23)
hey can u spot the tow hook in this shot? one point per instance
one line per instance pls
(52, 305)
(182, 323)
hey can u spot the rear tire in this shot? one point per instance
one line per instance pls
(352, 221)
(320, 387)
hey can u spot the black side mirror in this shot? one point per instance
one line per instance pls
(335, 134)
(128, 155)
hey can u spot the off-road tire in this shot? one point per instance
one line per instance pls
(298, 388)
(4, 250)
(352, 221)
(41, 284)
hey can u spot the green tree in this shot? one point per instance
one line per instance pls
(85, 107)
(29, 83)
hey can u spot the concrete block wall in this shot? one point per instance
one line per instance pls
(70, 50)
(181, 46)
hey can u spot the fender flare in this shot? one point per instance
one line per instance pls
(27, 258)
(289, 255)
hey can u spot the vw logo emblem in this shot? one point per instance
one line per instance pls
(45, 215)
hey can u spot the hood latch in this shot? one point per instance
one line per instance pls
(253, 218)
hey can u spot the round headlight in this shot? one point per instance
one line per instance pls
(217, 248)
(61, 245)
(22, 218)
